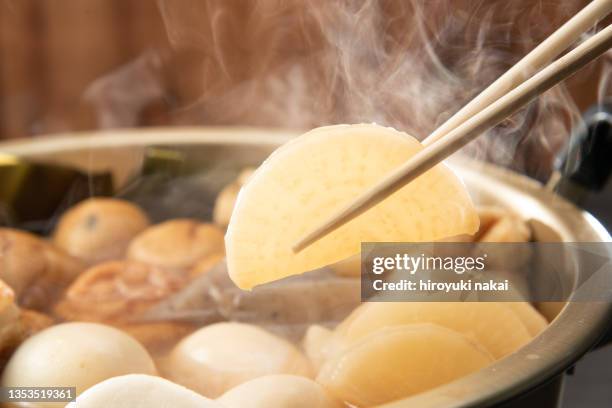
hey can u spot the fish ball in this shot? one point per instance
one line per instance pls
(176, 244)
(99, 229)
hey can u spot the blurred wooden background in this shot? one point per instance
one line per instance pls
(51, 51)
(167, 53)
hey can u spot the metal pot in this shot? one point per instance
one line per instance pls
(530, 377)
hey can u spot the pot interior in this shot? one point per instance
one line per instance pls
(223, 152)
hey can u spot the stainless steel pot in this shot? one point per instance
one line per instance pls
(532, 375)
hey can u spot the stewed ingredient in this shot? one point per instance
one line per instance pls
(140, 391)
(176, 244)
(32, 322)
(279, 391)
(499, 225)
(37, 271)
(224, 204)
(313, 176)
(168, 284)
(494, 325)
(533, 320)
(10, 324)
(119, 292)
(396, 362)
(318, 344)
(99, 229)
(290, 304)
(349, 267)
(16, 324)
(205, 265)
(223, 355)
(75, 354)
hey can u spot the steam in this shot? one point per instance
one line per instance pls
(406, 64)
(120, 96)
(604, 91)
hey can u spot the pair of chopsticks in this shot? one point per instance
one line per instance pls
(518, 86)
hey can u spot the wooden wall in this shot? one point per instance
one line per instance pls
(52, 50)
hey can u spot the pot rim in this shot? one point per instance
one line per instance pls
(576, 329)
(142, 137)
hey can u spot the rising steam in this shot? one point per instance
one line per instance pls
(406, 64)
(604, 91)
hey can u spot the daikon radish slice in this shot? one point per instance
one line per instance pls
(308, 179)
(317, 343)
(493, 325)
(397, 362)
(531, 318)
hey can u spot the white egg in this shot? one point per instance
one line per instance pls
(223, 355)
(140, 391)
(279, 391)
(75, 355)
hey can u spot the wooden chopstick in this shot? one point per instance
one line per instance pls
(541, 55)
(433, 154)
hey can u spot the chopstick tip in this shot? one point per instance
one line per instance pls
(307, 240)
(298, 246)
